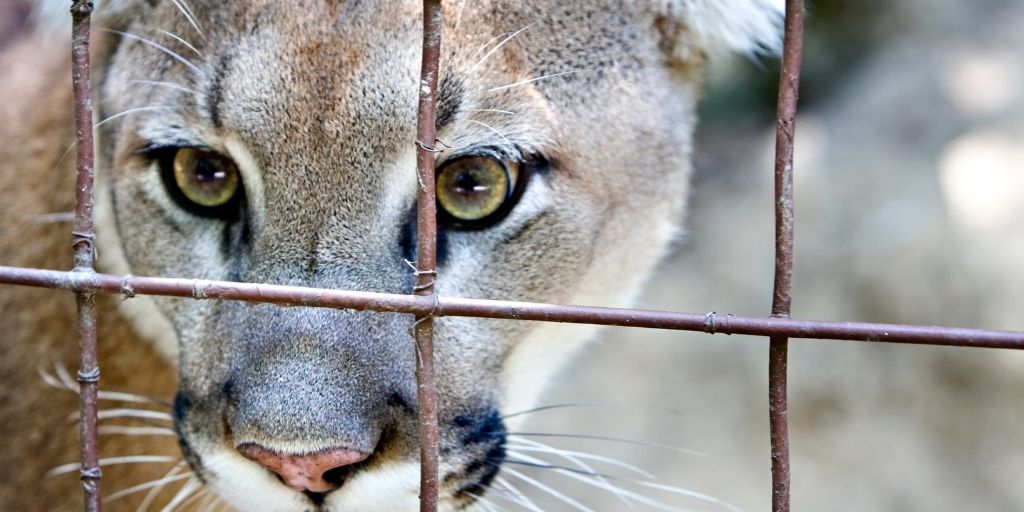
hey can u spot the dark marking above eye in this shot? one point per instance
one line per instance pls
(449, 99)
(216, 92)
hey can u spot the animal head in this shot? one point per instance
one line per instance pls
(272, 142)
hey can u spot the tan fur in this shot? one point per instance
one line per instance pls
(38, 326)
(316, 102)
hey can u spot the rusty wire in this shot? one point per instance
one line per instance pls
(426, 253)
(711, 323)
(83, 242)
(426, 305)
(778, 350)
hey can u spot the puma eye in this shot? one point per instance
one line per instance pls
(475, 191)
(204, 177)
(202, 181)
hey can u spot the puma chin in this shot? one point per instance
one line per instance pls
(272, 142)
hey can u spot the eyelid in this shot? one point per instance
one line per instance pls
(151, 149)
(486, 151)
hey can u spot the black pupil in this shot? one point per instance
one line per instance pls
(467, 184)
(206, 171)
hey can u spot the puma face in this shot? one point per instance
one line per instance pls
(272, 142)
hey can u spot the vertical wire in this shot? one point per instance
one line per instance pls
(426, 254)
(83, 244)
(778, 352)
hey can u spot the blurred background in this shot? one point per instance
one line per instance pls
(910, 209)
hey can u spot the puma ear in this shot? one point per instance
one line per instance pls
(695, 27)
(55, 15)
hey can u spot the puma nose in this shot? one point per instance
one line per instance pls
(304, 472)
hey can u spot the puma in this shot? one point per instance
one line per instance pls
(272, 142)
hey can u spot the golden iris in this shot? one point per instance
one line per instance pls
(473, 188)
(206, 178)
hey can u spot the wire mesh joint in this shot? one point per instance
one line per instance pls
(712, 325)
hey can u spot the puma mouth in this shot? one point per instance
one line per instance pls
(317, 499)
(289, 475)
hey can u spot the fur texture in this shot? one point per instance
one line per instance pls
(315, 103)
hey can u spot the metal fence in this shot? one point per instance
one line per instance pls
(425, 304)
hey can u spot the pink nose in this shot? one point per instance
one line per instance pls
(303, 472)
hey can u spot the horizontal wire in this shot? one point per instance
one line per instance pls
(712, 323)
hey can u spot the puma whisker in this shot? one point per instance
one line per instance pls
(158, 483)
(112, 461)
